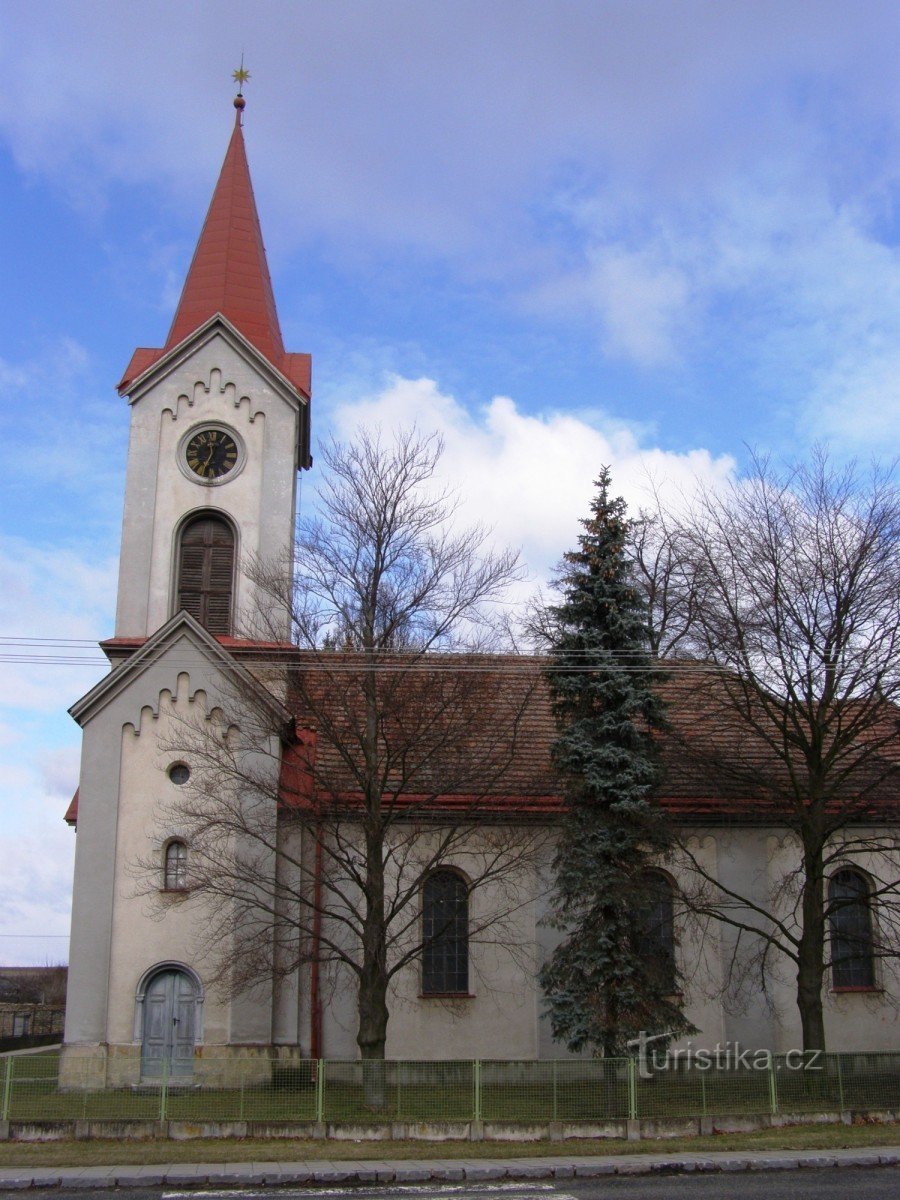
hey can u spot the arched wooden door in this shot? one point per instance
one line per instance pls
(170, 1012)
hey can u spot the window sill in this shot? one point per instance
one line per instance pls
(174, 891)
(864, 988)
(446, 995)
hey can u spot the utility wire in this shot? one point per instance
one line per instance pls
(82, 652)
(334, 668)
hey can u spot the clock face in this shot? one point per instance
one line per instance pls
(211, 453)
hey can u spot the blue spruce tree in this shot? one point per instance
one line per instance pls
(611, 976)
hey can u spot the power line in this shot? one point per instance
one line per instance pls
(322, 668)
(40, 652)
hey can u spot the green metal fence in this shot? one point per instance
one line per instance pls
(280, 1089)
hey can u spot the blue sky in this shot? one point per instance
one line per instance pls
(652, 234)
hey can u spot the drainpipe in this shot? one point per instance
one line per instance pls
(315, 997)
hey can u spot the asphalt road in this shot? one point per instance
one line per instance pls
(877, 1183)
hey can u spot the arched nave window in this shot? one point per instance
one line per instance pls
(445, 934)
(850, 915)
(657, 928)
(206, 572)
(175, 867)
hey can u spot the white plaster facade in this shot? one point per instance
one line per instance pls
(120, 931)
(124, 930)
(215, 377)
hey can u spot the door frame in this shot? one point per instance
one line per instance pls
(141, 993)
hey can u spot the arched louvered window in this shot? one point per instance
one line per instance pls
(656, 925)
(175, 868)
(206, 572)
(445, 935)
(850, 915)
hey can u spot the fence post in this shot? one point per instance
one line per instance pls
(476, 1081)
(773, 1090)
(7, 1088)
(703, 1094)
(164, 1088)
(632, 1091)
(555, 1105)
(320, 1090)
(840, 1075)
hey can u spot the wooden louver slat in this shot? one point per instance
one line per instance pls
(206, 572)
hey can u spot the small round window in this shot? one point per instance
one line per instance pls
(179, 773)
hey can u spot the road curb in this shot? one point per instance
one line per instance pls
(474, 1171)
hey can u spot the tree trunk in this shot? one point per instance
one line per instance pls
(811, 954)
(373, 980)
(373, 1019)
(373, 1012)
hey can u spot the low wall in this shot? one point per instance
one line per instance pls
(427, 1131)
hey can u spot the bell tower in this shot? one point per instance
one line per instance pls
(219, 430)
(220, 426)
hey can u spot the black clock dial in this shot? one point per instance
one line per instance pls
(211, 453)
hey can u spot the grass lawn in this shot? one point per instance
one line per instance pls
(533, 1097)
(109, 1152)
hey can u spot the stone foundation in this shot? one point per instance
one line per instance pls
(92, 1068)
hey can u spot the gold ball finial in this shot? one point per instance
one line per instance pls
(240, 77)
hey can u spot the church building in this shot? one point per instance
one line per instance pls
(220, 430)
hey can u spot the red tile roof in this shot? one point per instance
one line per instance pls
(714, 767)
(71, 817)
(229, 275)
(714, 770)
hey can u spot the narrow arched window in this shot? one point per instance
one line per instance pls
(656, 929)
(206, 572)
(445, 935)
(175, 867)
(850, 917)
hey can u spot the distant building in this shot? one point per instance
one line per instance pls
(32, 1005)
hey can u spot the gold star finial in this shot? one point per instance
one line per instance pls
(240, 76)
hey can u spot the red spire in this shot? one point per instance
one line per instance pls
(229, 273)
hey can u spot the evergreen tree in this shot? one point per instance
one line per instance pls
(606, 982)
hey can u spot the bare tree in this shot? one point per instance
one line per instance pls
(661, 552)
(785, 590)
(379, 753)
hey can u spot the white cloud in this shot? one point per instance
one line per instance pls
(36, 896)
(730, 183)
(59, 768)
(641, 304)
(54, 426)
(528, 476)
(38, 849)
(796, 289)
(48, 595)
(416, 122)
(51, 595)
